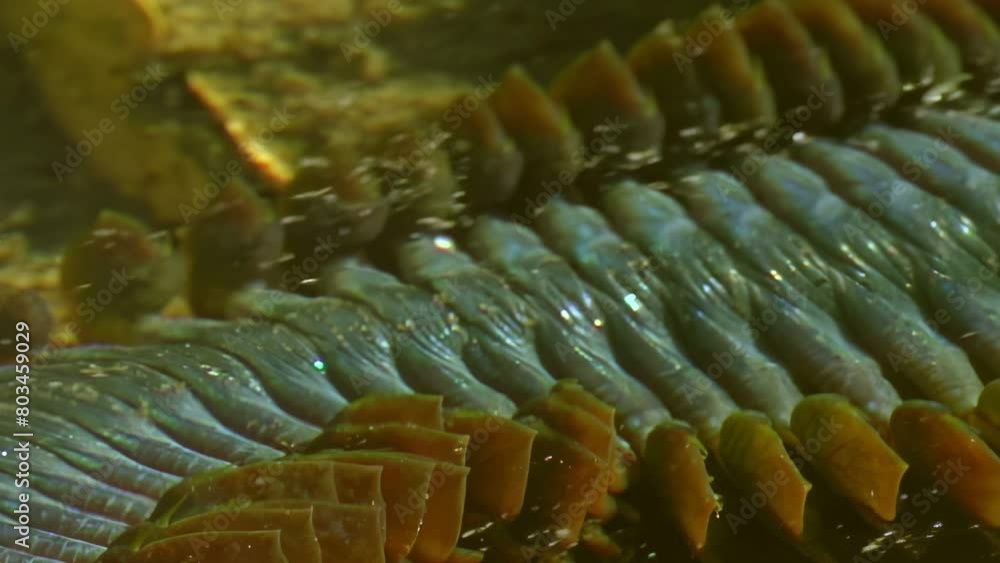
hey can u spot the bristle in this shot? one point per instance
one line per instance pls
(115, 273)
(234, 243)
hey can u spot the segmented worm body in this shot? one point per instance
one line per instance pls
(788, 344)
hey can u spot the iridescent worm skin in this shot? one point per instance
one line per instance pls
(750, 306)
(294, 374)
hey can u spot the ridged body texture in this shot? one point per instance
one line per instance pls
(732, 303)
